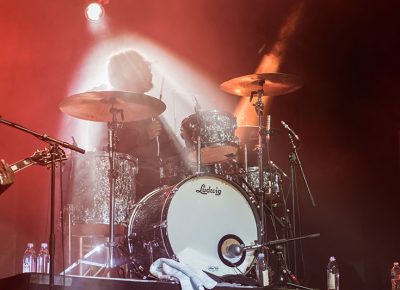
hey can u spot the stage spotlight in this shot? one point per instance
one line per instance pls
(94, 11)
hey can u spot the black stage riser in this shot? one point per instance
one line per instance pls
(33, 281)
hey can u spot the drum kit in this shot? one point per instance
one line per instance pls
(213, 218)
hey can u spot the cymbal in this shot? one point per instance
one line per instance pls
(249, 133)
(274, 84)
(96, 105)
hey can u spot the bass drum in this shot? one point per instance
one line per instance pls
(195, 222)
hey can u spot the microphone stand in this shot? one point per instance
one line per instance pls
(295, 160)
(55, 150)
(287, 274)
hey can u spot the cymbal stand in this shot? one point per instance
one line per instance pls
(261, 134)
(112, 246)
(198, 142)
(112, 175)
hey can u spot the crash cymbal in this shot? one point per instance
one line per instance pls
(96, 105)
(249, 133)
(274, 84)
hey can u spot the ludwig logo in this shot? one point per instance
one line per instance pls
(206, 190)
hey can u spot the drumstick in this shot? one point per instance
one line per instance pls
(153, 119)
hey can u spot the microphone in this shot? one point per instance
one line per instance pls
(234, 250)
(277, 168)
(291, 132)
(268, 126)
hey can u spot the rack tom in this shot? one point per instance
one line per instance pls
(216, 130)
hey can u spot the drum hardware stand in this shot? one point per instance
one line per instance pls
(246, 167)
(102, 267)
(198, 155)
(287, 275)
(261, 134)
(160, 168)
(112, 246)
(287, 278)
(56, 153)
(198, 141)
(69, 210)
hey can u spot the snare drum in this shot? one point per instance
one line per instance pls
(195, 222)
(216, 130)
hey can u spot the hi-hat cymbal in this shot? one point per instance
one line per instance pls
(249, 133)
(273, 84)
(96, 106)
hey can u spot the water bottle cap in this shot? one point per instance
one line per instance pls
(29, 245)
(43, 245)
(331, 259)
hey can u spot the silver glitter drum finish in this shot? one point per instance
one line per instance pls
(194, 222)
(174, 170)
(271, 181)
(217, 135)
(89, 191)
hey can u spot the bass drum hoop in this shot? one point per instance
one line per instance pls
(171, 190)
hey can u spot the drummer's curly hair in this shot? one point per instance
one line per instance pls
(129, 69)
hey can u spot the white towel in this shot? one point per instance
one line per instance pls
(189, 278)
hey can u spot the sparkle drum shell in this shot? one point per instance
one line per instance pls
(217, 135)
(89, 191)
(194, 222)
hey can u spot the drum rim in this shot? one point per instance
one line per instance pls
(105, 153)
(226, 113)
(136, 209)
(255, 168)
(193, 149)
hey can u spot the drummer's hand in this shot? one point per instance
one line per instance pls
(153, 129)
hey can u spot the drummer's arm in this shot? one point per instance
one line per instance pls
(138, 134)
(153, 129)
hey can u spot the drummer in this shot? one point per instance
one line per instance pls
(129, 71)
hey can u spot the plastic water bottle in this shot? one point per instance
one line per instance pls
(332, 272)
(43, 259)
(262, 270)
(29, 259)
(395, 276)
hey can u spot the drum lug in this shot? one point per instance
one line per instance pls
(162, 225)
(150, 245)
